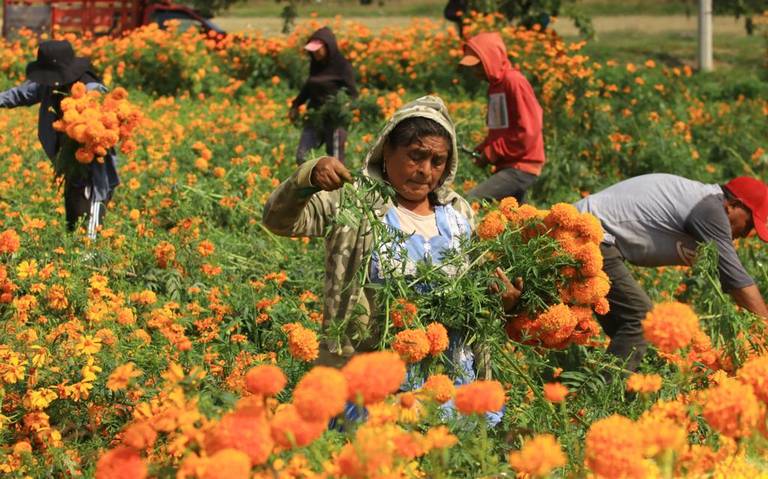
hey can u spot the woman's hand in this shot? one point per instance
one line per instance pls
(330, 174)
(510, 292)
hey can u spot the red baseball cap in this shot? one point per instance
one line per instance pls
(754, 194)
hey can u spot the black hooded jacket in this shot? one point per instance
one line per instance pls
(328, 76)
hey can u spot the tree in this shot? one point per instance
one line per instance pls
(208, 8)
(528, 13)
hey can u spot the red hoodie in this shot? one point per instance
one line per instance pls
(515, 117)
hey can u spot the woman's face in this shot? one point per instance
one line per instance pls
(320, 54)
(415, 170)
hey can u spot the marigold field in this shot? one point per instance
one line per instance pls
(180, 342)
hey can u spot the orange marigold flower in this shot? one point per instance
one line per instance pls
(403, 313)
(227, 464)
(480, 397)
(245, 432)
(265, 379)
(440, 387)
(562, 215)
(492, 225)
(291, 430)
(590, 291)
(302, 342)
(755, 373)
(320, 394)
(732, 408)
(670, 326)
(538, 456)
(614, 448)
(508, 207)
(121, 376)
(165, 253)
(591, 259)
(556, 324)
(373, 376)
(412, 345)
(555, 392)
(9, 241)
(644, 383)
(140, 435)
(121, 463)
(205, 248)
(438, 338)
(410, 445)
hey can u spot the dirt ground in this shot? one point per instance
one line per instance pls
(650, 24)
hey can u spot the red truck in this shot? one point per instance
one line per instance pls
(100, 17)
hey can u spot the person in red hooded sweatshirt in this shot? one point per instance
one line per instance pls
(515, 143)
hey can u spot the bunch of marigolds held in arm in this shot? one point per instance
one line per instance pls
(98, 122)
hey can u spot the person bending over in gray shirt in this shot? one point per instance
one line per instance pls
(659, 220)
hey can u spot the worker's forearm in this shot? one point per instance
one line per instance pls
(750, 298)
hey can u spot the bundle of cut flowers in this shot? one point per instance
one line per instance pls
(557, 252)
(98, 122)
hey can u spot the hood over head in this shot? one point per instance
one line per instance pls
(431, 107)
(334, 67)
(490, 48)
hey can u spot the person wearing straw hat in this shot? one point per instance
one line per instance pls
(49, 80)
(515, 142)
(329, 73)
(659, 220)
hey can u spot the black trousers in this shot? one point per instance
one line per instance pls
(334, 139)
(629, 305)
(503, 183)
(80, 205)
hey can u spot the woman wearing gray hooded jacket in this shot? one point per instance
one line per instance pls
(416, 154)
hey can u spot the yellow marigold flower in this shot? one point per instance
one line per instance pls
(670, 326)
(121, 376)
(412, 345)
(440, 387)
(87, 345)
(614, 448)
(438, 338)
(644, 383)
(755, 373)
(732, 408)
(320, 394)
(27, 269)
(492, 225)
(373, 376)
(538, 456)
(480, 397)
(39, 399)
(555, 392)
(265, 379)
(302, 342)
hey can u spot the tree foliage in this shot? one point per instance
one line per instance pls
(208, 8)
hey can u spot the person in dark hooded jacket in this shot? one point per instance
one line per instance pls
(329, 72)
(49, 80)
(515, 141)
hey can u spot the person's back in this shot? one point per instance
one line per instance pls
(646, 217)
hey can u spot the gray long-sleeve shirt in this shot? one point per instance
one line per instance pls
(103, 176)
(659, 219)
